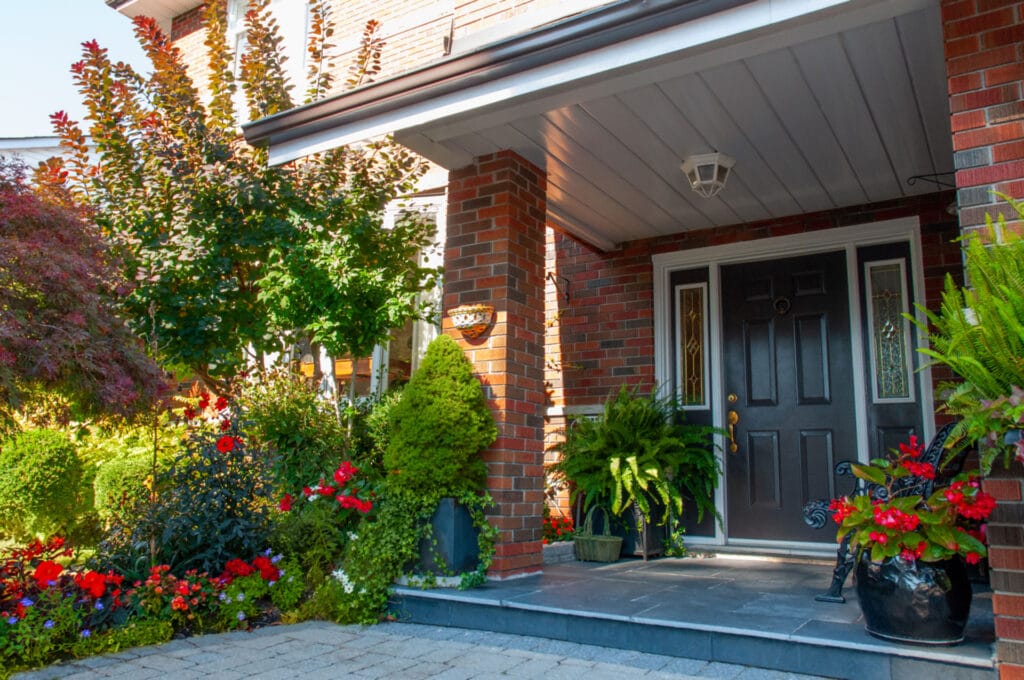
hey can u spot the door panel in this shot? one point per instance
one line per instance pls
(787, 359)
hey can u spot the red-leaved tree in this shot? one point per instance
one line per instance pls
(58, 328)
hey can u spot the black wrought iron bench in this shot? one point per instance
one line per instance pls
(816, 513)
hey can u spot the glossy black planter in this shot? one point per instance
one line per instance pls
(456, 544)
(919, 602)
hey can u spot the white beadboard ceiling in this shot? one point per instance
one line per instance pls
(815, 121)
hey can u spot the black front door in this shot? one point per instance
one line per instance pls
(789, 389)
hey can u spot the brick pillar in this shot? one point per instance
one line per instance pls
(984, 41)
(984, 45)
(494, 254)
(1006, 558)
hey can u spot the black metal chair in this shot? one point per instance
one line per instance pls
(817, 515)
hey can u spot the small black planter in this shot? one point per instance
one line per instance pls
(919, 602)
(642, 538)
(455, 547)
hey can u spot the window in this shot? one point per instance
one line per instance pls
(691, 344)
(889, 331)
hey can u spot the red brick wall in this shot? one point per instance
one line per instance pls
(494, 254)
(984, 42)
(603, 335)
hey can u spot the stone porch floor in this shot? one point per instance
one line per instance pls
(728, 609)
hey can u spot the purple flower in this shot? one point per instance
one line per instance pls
(85, 632)
(25, 602)
(13, 620)
(48, 624)
(276, 558)
(99, 606)
(241, 616)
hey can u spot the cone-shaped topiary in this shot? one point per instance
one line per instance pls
(439, 427)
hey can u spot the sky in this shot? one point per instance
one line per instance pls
(39, 40)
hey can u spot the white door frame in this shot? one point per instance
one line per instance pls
(847, 239)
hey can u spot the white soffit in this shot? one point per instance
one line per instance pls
(163, 11)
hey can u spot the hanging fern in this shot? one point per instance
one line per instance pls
(979, 334)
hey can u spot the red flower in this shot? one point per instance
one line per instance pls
(268, 572)
(179, 603)
(222, 403)
(925, 470)
(225, 444)
(286, 503)
(190, 413)
(972, 558)
(225, 425)
(345, 472)
(913, 448)
(879, 537)
(204, 401)
(47, 572)
(92, 582)
(237, 567)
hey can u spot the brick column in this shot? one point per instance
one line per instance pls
(494, 254)
(984, 41)
(1006, 559)
(984, 45)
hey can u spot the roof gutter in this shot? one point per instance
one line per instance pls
(561, 40)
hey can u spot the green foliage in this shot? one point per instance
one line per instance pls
(372, 431)
(122, 485)
(203, 223)
(40, 484)
(979, 334)
(211, 505)
(137, 633)
(294, 427)
(439, 427)
(315, 533)
(338, 601)
(639, 451)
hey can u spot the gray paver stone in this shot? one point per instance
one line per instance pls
(485, 661)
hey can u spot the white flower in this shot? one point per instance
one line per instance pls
(342, 577)
(352, 535)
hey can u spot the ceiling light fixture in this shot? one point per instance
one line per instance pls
(708, 172)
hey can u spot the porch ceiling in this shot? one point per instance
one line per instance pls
(829, 107)
(833, 121)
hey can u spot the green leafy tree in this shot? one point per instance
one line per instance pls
(198, 216)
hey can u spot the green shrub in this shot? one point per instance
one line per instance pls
(40, 484)
(292, 425)
(121, 485)
(372, 429)
(439, 426)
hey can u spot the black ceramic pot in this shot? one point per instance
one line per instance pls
(919, 602)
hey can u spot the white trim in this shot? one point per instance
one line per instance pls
(848, 239)
(723, 37)
(905, 330)
(705, 348)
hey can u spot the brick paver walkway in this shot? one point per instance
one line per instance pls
(316, 650)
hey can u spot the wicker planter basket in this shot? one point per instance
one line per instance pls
(600, 548)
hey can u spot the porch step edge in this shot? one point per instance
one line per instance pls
(924, 655)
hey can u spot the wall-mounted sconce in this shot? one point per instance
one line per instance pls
(471, 320)
(707, 173)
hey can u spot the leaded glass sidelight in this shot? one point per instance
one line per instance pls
(889, 330)
(691, 348)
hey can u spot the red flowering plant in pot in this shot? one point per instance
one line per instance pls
(911, 548)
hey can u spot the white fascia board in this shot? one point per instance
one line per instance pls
(748, 18)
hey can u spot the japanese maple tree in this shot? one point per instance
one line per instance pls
(58, 326)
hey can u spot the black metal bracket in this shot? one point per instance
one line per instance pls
(932, 177)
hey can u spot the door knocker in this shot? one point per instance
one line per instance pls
(781, 305)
